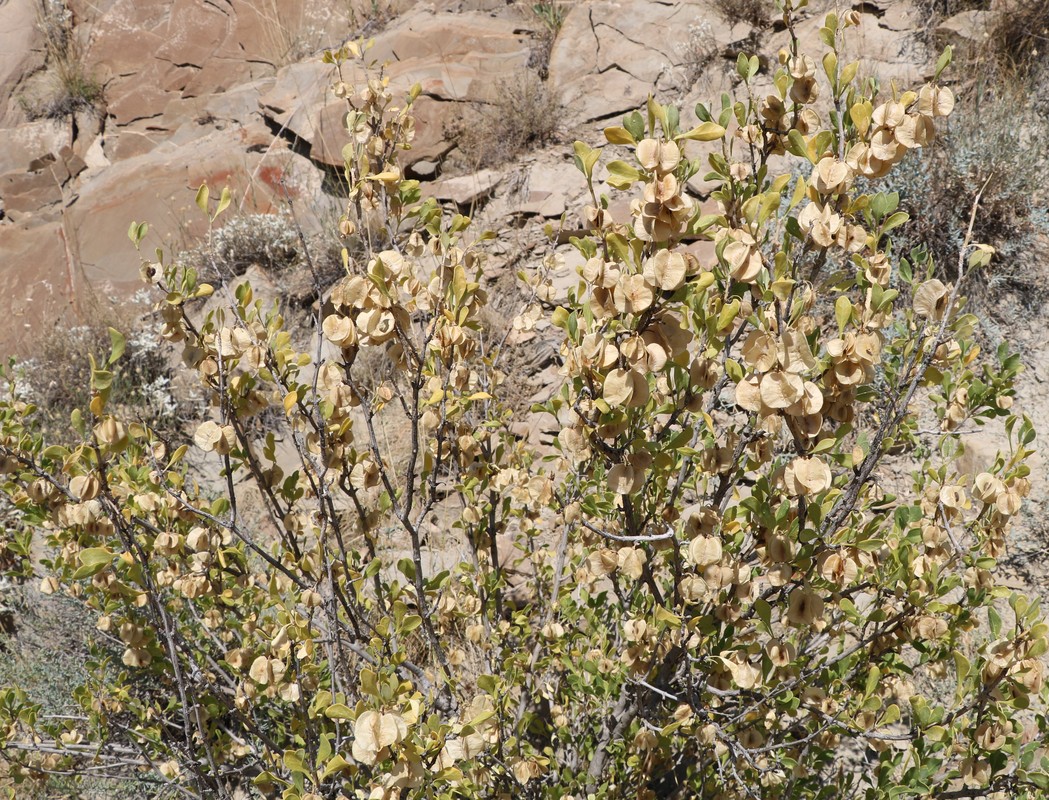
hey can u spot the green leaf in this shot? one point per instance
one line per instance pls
(944, 61)
(895, 221)
(337, 764)
(224, 202)
(704, 132)
(137, 232)
(796, 144)
(743, 66)
(635, 125)
(728, 314)
(764, 612)
(872, 680)
(619, 135)
(892, 714)
(842, 312)
(994, 622)
(338, 711)
(93, 560)
(117, 344)
(733, 370)
(905, 270)
(202, 198)
(585, 158)
(101, 380)
(294, 761)
(885, 203)
(621, 175)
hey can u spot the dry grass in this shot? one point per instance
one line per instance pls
(524, 118)
(70, 87)
(1017, 35)
(1020, 36)
(755, 13)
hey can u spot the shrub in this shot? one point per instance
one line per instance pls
(305, 266)
(268, 241)
(698, 52)
(525, 116)
(55, 377)
(994, 149)
(701, 590)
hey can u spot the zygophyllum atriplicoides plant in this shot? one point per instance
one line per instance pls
(750, 565)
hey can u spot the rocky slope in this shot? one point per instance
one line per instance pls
(233, 92)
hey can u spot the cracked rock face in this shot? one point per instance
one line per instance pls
(609, 57)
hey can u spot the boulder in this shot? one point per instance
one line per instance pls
(159, 186)
(610, 56)
(465, 191)
(21, 53)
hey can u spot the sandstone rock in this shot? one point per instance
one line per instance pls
(466, 190)
(550, 188)
(296, 98)
(122, 145)
(20, 54)
(21, 144)
(154, 51)
(609, 56)
(30, 192)
(158, 187)
(95, 155)
(455, 58)
(966, 32)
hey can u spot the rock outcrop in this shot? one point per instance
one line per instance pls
(234, 92)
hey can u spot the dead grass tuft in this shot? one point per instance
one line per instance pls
(755, 13)
(70, 88)
(524, 118)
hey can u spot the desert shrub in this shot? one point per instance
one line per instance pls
(305, 266)
(703, 588)
(55, 377)
(269, 241)
(994, 148)
(524, 117)
(698, 52)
